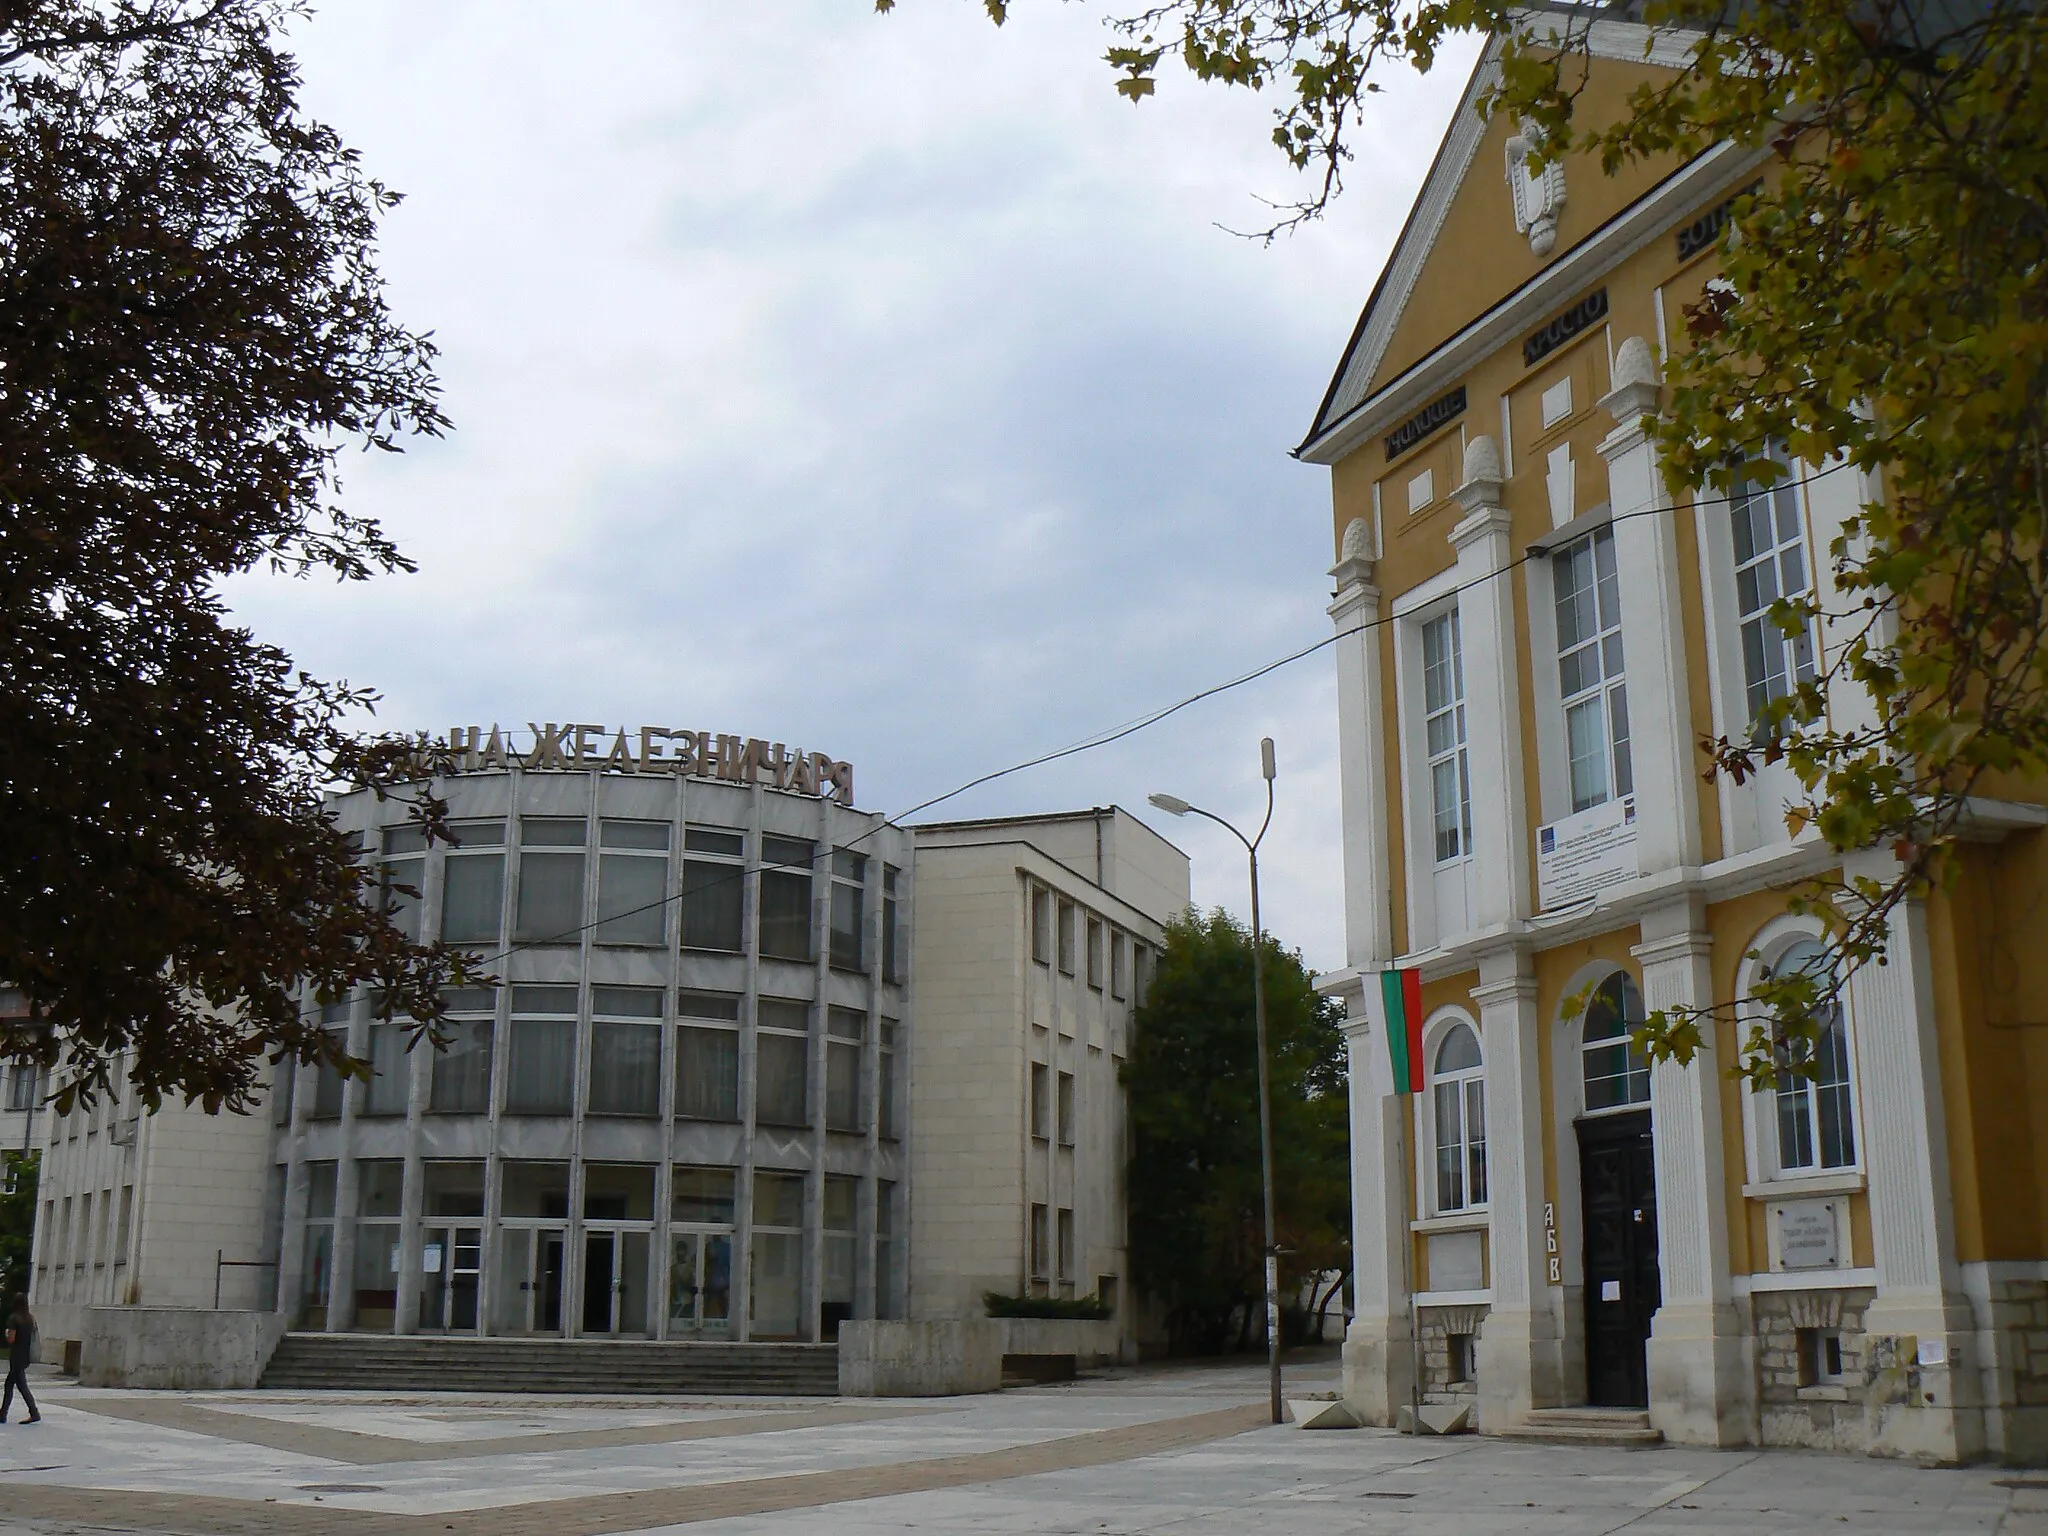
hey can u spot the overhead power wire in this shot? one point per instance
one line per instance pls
(1143, 722)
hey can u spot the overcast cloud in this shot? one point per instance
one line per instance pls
(879, 385)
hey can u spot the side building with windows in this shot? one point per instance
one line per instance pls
(1036, 938)
(700, 1099)
(1532, 643)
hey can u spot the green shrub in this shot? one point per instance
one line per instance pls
(1087, 1308)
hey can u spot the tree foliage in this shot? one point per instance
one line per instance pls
(1884, 312)
(18, 1181)
(1196, 1225)
(192, 332)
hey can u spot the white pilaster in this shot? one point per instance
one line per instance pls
(1924, 1397)
(1493, 708)
(1520, 1348)
(1361, 745)
(1702, 1376)
(1652, 632)
(1378, 1352)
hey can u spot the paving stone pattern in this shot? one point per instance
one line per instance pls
(1184, 1451)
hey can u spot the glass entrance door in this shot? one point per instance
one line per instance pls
(615, 1282)
(529, 1280)
(451, 1265)
(700, 1285)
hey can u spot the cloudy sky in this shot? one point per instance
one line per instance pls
(886, 386)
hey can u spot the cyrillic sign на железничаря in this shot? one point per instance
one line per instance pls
(653, 749)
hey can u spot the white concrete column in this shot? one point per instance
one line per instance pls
(1702, 1375)
(1378, 1356)
(1493, 707)
(1924, 1395)
(1652, 632)
(1361, 745)
(1378, 1351)
(1520, 1347)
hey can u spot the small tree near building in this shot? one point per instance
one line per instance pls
(1196, 1225)
(18, 1179)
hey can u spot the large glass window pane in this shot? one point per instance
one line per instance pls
(631, 899)
(454, 1188)
(848, 902)
(625, 1069)
(472, 898)
(707, 1074)
(376, 1275)
(380, 1186)
(550, 898)
(618, 1192)
(888, 1090)
(403, 880)
(386, 1094)
(712, 899)
(778, 1283)
(780, 1098)
(328, 1081)
(702, 1197)
(891, 939)
(785, 915)
(842, 1087)
(650, 835)
(535, 1190)
(1587, 597)
(1616, 1072)
(461, 1081)
(540, 1076)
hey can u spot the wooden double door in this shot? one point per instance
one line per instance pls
(1618, 1205)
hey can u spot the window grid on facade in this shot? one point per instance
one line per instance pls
(1066, 1109)
(707, 1056)
(625, 1051)
(1815, 1114)
(1096, 958)
(782, 1062)
(1066, 1265)
(1459, 1107)
(1770, 563)
(549, 909)
(1450, 774)
(1041, 1241)
(540, 1077)
(1041, 1108)
(892, 938)
(473, 883)
(1589, 664)
(1068, 917)
(846, 1033)
(459, 1076)
(1041, 925)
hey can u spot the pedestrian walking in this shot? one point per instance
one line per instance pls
(21, 1333)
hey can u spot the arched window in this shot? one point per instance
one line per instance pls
(1816, 1114)
(1617, 1073)
(1459, 1101)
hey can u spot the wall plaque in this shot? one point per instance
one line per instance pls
(1807, 1236)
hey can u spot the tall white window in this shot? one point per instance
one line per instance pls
(1458, 1101)
(1816, 1114)
(1443, 699)
(1589, 669)
(1614, 1069)
(1770, 563)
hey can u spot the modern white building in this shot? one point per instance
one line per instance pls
(1035, 939)
(702, 1103)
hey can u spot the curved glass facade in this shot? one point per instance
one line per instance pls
(681, 1113)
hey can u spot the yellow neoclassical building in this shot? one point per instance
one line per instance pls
(1533, 641)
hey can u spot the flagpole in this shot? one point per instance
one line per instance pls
(1411, 1172)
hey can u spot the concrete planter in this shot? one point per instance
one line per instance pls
(176, 1348)
(957, 1356)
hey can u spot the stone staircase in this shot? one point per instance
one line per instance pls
(367, 1362)
(1626, 1427)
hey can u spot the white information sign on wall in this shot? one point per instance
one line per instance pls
(1807, 1235)
(1586, 852)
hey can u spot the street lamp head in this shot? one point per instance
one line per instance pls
(1173, 805)
(1266, 757)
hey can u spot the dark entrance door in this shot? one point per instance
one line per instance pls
(1618, 1201)
(597, 1283)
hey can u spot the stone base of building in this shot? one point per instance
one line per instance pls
(952, 1357)
(1379, 1364)
(1702, 1372)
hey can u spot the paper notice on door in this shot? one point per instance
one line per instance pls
(430, 1258)
(1610, 1290)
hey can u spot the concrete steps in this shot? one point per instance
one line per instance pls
(1586, 1426)
(365, 1362)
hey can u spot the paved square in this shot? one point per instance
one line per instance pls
(1180, 1450)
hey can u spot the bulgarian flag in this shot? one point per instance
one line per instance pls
(1398, 1069)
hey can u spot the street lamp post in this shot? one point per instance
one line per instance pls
(1173, 805)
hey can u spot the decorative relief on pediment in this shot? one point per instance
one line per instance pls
(1538, 194)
